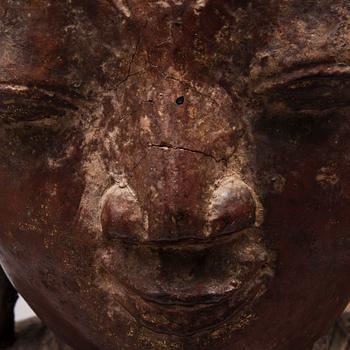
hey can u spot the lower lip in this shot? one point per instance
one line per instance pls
(188, 318)
(192, 300)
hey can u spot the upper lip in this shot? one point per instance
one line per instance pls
(187, 242)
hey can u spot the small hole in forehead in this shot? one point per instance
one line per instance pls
(180, 100)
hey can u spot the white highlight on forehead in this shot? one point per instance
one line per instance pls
(199, 5)
(163, 3)
(168, 3)
(122, 7)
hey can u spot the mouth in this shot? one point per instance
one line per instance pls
(183, 290)
(196, 313)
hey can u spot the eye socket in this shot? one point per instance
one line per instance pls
(29, 104)
(306, 109)
(309, 96)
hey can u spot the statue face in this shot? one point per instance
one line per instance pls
(175, 174)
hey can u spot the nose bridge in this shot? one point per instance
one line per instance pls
(178, 189)
(182, 152)
(174, 141)
(172, 113)
(186, 114)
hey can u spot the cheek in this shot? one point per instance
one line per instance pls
(40, 183)
(303, 158)
(305, 181)
(304, 184)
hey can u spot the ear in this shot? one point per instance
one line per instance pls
(8, 298)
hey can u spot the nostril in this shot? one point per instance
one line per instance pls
(232, 208)
(121, 215)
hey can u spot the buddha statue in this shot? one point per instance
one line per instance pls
(175, 174)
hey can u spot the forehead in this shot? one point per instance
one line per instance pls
(54, 17)
(55, 40)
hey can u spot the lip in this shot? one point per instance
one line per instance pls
(189, 300)
(189, 287)
(189, 242)
(196, 315)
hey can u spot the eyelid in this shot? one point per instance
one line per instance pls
(19, 103)
(37, 94)
(318, 71)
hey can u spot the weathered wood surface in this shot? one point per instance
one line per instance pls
(33, 335)
(175, 174)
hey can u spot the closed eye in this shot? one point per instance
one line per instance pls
(26, 104)
(311, 95)
(317, 90)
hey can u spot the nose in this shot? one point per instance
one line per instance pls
(174, 154)
(121, 215)
(232, 207)
(229, 209)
